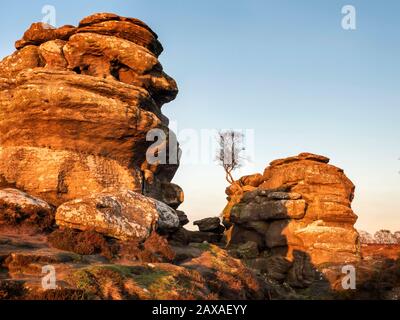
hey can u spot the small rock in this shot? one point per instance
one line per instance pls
(210, 225)
(179, 237)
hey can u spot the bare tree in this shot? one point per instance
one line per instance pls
(229, 152)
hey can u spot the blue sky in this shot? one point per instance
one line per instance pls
(283, 68)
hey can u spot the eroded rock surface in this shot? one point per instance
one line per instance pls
(299, 209)
(79, 101)
(123, 215)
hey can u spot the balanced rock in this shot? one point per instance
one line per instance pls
(125, 215)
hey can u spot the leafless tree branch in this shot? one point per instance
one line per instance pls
(229, 152)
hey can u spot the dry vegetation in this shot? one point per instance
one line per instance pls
(84, 243)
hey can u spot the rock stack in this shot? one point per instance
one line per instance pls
(300, 206)
(76, 104)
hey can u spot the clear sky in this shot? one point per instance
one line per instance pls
(284, 68)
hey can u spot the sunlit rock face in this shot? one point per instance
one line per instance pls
(76, 104)
(123, 215)
(299, 204)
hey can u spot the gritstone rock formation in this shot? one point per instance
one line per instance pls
(76, 104)
(76, 191)
(300, 206)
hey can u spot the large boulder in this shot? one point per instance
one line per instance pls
(123, 215)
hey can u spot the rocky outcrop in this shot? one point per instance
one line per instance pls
(78, 102)
(77, 105)
(300, 206)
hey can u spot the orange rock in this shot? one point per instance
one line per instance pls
(320, 224)
(52, 54)
(39, 32)
(66, 111)
(76, 105)
(253, 180)
(26, 58)
(60, 176)
(81, 50)
(102, 17)
(126, 30)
